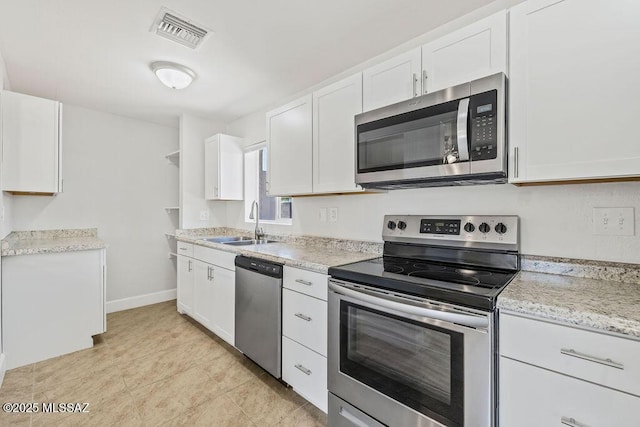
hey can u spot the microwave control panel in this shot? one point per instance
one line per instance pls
(484, 125)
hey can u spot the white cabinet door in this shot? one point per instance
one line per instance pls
(185, 284)
(203, 294)
(534, 397)
(334, 108)
(306, 372)
(391, 81)
(573, 90)
(289, 149)
(223, 168)
(475, 51)
(304, 319)
(224, 299)
(31, 144)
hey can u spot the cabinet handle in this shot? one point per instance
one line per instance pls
(607, 362)
(424, 81)
(182, 249)
(515, 162)
(304, 282)
(415, 85)
(571, 422)
(303, 369)
(303, 317)
(189, 265)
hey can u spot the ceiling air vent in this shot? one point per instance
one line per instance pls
(172, 26)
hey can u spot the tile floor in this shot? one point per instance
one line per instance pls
(155, 367)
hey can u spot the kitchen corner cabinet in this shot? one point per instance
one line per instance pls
(289, 148)
(310, 141)
(206, 288)
(334, 108)
(474, 51)
(391, 81)
(52, 304)
(223, 168)
(31, 144)
(552, 374)
(572, 84)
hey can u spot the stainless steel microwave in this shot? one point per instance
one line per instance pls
(453, 136)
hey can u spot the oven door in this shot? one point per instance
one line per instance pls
(407, 362)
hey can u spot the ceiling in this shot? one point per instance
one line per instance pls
(96, 54)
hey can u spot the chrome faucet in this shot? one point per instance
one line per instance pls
(255, 214)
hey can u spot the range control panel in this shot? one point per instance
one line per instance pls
(492, 229)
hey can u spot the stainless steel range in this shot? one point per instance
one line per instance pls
(412, 335)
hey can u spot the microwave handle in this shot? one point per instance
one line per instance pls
(463, 140)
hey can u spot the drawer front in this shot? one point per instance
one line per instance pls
(579, 353)
(534, 397)
(216, 257)
(305, 371)
(185, 249)
(307, 282)
(304, 319)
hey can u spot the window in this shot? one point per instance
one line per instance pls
(277, 210)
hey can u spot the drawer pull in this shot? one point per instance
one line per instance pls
(607, 362)
(304, 282)
(303, 317)
(183, 249)
(571, 422)
(303, 369)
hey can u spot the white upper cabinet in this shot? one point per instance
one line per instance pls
(289, 148)
(334, 108)
(475, 51)
(31, 144)
(223, 168)
(574, 67)
(391, 81)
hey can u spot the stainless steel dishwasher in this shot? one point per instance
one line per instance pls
(259, 312)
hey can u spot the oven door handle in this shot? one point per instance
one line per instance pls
(459, 319)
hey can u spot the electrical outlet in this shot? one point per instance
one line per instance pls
(614, 221)
(323, 214)
(204, 215)
(333, 214)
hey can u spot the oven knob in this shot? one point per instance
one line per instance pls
(501, 228)
(402, 225)
(484, 228)
(469, 228)
(391, 225)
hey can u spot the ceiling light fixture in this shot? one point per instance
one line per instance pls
(173, 75)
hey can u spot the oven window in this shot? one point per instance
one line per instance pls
(424, 137)
(417, 364)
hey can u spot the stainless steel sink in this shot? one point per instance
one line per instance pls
(228, 239)
(244, 242)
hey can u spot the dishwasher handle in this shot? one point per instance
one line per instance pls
(260, 266)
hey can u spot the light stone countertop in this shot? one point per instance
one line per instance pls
(587, 302)
(51, 241)
(309, 253)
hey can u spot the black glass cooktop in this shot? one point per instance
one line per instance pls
(454, 283)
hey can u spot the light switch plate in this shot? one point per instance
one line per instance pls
(333, 214)
(614, 221)
(204, 215)
(323, 214)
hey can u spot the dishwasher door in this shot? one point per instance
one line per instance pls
(259, 312)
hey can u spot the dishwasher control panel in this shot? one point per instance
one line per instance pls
(259, 266)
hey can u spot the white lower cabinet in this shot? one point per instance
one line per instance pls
(207, 291)
(534, 397)
(305, 371)
(552, 374)
(52, 304)
(304, 334)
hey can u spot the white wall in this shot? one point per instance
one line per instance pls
(6, 199)
(193, 132)
(116, 179)
(555, 220)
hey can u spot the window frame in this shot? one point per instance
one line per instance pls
(253, 194)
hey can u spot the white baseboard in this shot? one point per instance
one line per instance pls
(140, 300)
(3, 367)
